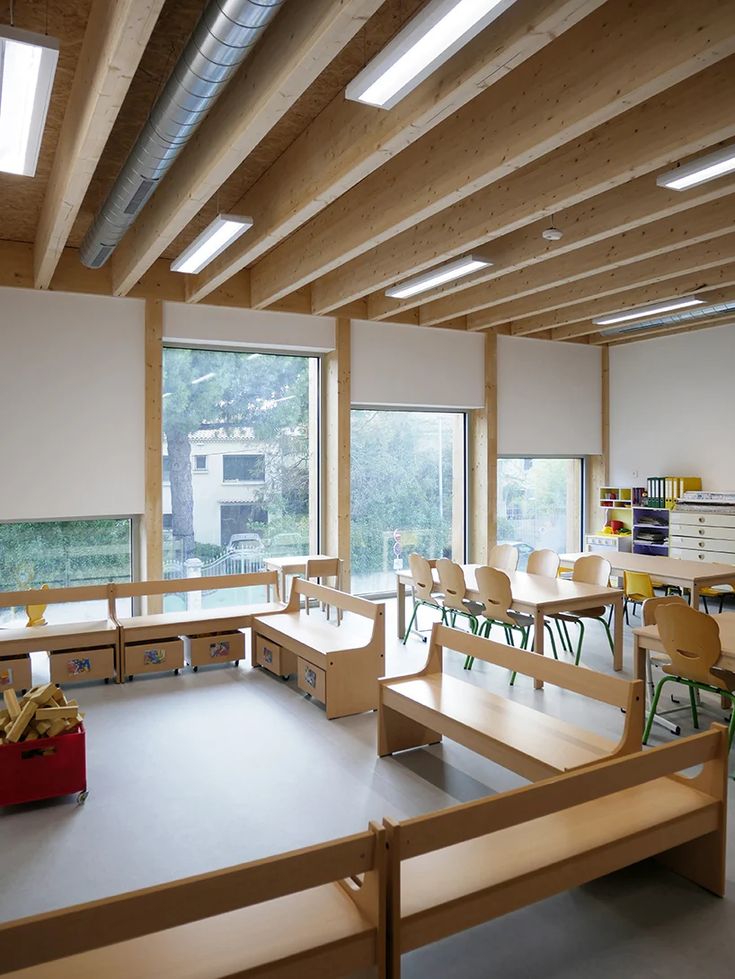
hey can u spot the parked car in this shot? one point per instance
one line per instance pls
(250, 543)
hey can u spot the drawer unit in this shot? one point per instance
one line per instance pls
(273, 657)
(694, 554)
(686, 519)
(724, 545)
(15, 673)
(79, 665)
(156, 656)
(226, 647)
(606, 543)
(312, 680)
(698, 532)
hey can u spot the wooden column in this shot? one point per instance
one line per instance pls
(337, 372)
(152, 524)
(598, 474)
(483, 462)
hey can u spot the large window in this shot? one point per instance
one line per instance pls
(408, 492)
(62, 554)
(240, 457)
(540, 504)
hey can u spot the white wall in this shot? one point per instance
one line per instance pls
(672, 408)
(250, 328)
(72, 405)
(549, 398)
(411, 366)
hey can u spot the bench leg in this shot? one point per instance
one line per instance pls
(396, 732)
(702, 861)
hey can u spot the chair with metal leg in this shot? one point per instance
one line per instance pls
(638, 588)
(719, 593)
(496, 599)
(423, 586)
(319, 568)
(692, 643)
(544, 562)
(504, 557)
(454, 590)
(590, 569)
(655, 658)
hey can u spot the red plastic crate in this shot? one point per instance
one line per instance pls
(43, 769)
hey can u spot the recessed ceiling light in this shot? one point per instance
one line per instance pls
(436, 277)
(27, 69)
(699, 171)
(217, 236)
(425, 43)
(651, 310)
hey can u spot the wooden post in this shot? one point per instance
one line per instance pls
(483, 468)
(152, 523)
(599, 474)
(337, 449)
(458, 489)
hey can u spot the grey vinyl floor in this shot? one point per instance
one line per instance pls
(192, 773)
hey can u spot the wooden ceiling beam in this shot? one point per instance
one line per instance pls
(360, 139)
(661, 267)
(620, 226)
(575, 321)
(686, 119)
(116, 35)
(295, 49)
(633, 50)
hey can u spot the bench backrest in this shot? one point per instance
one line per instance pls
(374, 611)
(612, 690)
(60, 596)
(70, 931)
(166, 586)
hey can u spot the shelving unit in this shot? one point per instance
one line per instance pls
(650, 520)
(616, 503)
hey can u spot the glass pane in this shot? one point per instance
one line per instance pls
(408, 479)
(540, 504)
(64, 554)
(240, 439)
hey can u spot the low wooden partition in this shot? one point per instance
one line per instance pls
(338, 665)
(455, 869)
(420, 708)
(77, 650)
(161, 641)
(307, 914)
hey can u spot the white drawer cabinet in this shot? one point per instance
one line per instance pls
(727, 545)
(686, 519)
(689, 554)
(703, 536)
(606, 543)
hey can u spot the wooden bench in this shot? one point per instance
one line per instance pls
(338, 665)
(455, 869)
(161, 641)
(77, 650)
(419, 709)
(302, 915)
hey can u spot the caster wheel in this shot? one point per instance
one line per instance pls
(677, 730)
(424, 639)
(195, 668)
(130, 678)
(107, 679)
(286, 678)
(237, 662)
(176, 672)
(82, 797)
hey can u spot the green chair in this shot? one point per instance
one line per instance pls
(496, 598)
(691, 640)
(454, 590)
(423, 587)
(590, 569)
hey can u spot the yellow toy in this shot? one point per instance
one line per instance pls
(35, 612)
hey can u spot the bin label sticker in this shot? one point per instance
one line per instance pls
(267, 654)
(310, 677)
(154, 657)
(6, 677)
(78, 665)
(221, 648)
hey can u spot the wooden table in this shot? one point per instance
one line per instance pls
(693, 575)
(296, 565)
(646, 638)
(540, 597)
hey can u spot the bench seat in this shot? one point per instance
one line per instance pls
(238, 943)
(495, 726)
(193, 621)
(314, 633)
(62, 635)
(487, 866)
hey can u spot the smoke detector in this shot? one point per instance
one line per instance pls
(552, 234)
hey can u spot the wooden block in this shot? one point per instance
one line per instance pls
(11, 703)
(56, 727)
(22, 721)
(59, 696)
(30, 735)
(43, 726)
(4, 717)
(42, 695)
(53, 713)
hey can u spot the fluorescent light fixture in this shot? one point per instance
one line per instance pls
(27, 69)
(217, 236)
(687, 317)
(639, 312)
(437, 277)
(699, 171)
(426, 42)
(204, 377)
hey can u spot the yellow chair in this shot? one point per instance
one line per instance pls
(717, 593)
(638, 588)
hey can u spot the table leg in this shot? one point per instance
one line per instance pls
(618, 634)
(538, 640)
(401, 597)
(639, 660)
(695, 595)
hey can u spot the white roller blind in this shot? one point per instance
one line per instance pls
(72, 405)
(549, 398)
(416, 367)
(251, 328)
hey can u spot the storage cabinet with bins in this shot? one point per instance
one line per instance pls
(616, 504)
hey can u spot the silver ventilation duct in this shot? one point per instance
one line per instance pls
(673, 319)
(222, 39)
